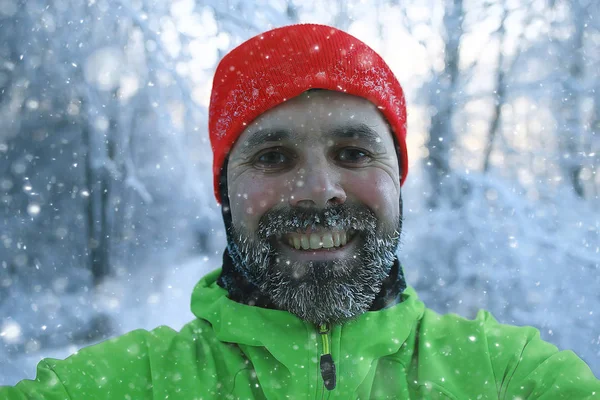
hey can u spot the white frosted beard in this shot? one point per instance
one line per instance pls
(319, 292)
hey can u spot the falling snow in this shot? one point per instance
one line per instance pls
(107, 211)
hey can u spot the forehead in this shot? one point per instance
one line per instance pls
(315, 112)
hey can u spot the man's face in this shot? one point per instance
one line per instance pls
(314, 190)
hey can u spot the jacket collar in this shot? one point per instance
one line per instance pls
(241, 290)
(355, 344)
(234, 321)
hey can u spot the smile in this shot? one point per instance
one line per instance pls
(318, 240)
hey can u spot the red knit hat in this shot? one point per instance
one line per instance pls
(280, 64)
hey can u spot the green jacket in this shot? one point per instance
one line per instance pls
(238, 351)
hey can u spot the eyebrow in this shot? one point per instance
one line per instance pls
(265, 136)
(356, 131)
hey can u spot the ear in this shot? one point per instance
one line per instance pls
(224, 193)
(396, 148)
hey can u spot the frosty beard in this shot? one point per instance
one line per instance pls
(319, 292)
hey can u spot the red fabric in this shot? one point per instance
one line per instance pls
(280, 64)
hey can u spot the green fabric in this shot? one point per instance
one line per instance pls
(241, 352)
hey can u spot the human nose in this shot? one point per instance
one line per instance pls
(317, 186)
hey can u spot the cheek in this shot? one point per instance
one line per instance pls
(375, 189)
(251, 197)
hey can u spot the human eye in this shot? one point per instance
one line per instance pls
(353, 155)
(272, 159)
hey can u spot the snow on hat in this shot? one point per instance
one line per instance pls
(282, 63)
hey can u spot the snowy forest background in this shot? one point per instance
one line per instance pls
(107, 214)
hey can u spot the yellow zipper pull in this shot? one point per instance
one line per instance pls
(326, 362)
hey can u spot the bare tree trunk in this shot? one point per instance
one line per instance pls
(342, 19)
(570, 138)
(292, 12)
(594, 144)
(499, 95)
(441, 132)
(97, 201)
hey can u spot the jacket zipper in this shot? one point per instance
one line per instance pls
(326, 362)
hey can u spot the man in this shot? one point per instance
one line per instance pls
(308, 129)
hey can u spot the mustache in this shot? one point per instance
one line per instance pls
(285, 219)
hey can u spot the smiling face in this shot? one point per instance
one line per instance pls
(314, 192)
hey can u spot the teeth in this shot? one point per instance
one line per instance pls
(336, 239)
(315, 241)
(327, 241)
(304, 242)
